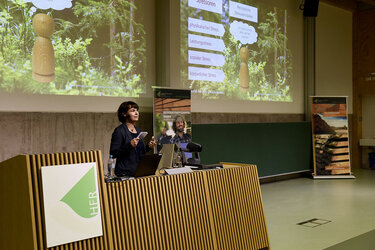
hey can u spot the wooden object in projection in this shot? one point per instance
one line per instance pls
(214, 209)
(43, 60)
(244, 69)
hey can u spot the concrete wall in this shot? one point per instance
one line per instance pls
(334, 53)
(39, 133)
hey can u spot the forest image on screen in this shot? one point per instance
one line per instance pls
(98, 47)
(235, 50)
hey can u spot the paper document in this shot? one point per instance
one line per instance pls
(142, 135)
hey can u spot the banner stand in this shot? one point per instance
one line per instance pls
(351, 176)
(172, 107)
(330, 132)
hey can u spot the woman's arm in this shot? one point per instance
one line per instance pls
(151, 144)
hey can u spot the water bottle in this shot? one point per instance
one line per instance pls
(111, 167)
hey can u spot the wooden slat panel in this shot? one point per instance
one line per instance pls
(17, 205)
(220, 209)
(161, 213)
(38, 161)
(33, 169)
(237, 205)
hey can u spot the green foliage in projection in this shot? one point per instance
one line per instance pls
(270, 65)
(99, 49)
(160, 123)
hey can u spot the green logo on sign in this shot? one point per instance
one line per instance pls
(83, 197)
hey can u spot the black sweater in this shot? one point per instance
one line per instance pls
(127, 157)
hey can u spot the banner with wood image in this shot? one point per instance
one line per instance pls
(330, 136)
(171, 106)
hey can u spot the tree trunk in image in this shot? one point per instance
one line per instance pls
(275, 50)
(112, 32)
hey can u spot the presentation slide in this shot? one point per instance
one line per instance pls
(238, 50)
(74, 48)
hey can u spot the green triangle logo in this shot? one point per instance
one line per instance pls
(83, 197)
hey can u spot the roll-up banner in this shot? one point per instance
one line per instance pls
(171, 105)
(330, 137)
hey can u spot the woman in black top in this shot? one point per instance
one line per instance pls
(125, 146)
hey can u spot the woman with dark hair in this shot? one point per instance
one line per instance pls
(126, 147)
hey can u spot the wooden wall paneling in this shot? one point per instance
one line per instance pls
(189, 193)
(247, 219)
(128, 210)
(189, 212)
(138, 215)
(144, 236)
(192, 204)
(256, 199)
(186, 229)
(224, 208)
(161, 213)
(16, 195)
(32, 164)
(244, 211)
(176, 210)
(137, 218)
(117, 213)
(112, 216)
(165, 219)
(357, 129)
(170, 210)
(200, 182)
(363, 66)
(122, 219)
(156, 212)
(156, 196)
(131, 201)
(350, 5)
(148, 227)
(211, 215)
(194, 208)
(107, 232)
(218, 209)
(178, 185)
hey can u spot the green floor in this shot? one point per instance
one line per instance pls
(348, 205)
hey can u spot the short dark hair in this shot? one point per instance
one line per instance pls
(174, 127)
(123, 109)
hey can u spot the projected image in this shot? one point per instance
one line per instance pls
(79, 47)
(235, 50)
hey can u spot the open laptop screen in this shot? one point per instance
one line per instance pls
(148, 165)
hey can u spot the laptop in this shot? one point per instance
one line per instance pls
(148, 165)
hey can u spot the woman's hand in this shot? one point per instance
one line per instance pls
(134, 142)
(152, 143)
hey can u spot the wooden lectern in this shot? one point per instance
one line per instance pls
(212, 209)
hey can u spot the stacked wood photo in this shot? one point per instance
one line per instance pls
(332, 153)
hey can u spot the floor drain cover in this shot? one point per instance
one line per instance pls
(313, 222)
